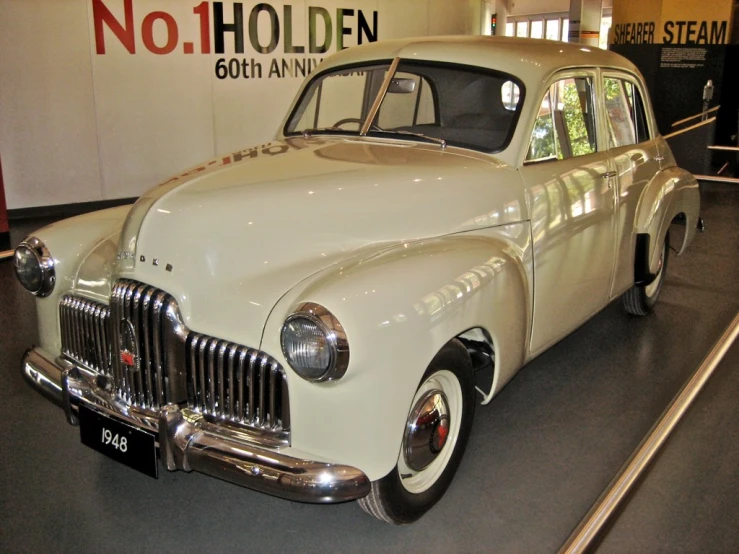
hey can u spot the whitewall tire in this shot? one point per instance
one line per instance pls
(640, 299)
(434, 439)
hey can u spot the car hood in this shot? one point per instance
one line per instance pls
(230, 237)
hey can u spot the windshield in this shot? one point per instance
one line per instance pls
(460, 105)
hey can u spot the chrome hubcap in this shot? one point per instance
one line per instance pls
(427, 430)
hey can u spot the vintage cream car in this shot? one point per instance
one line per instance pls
(317, 317)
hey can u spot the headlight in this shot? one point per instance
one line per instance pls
(314, 343)
(34, 267)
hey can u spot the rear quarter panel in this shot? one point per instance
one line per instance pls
(672, 191)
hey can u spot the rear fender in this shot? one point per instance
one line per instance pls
(399, 307)
(671, 192)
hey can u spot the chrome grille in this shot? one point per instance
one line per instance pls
(146, 308)
(237, 383)
(85, 334)
(220, 379)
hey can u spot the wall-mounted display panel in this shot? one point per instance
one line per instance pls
(102, 99)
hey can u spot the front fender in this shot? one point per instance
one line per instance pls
(71, 243)
(671, 191)
(399, 306)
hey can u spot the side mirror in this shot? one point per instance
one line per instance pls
(402, 86)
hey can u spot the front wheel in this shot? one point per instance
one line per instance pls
(639, 300)
(434, 439)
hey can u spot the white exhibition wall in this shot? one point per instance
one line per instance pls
(102, 99)
(536, 7)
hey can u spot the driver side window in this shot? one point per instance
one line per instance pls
(544, 144)
(565, 125)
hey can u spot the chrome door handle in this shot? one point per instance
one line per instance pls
(609, 174)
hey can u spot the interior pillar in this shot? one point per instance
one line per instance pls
(585, 21)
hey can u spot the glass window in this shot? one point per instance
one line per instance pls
(574, 98)
(408, 100)
(510, 94)
(605, 25)
(464, 106)
(551, 26)
(627, 120)
(339, 99)
(565, 125)
(621, 128)
(537, 29)
(552, 30)
(638, 115)
(544, 144)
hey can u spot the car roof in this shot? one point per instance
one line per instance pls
(531, 60)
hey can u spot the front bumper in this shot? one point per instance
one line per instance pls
(188, 442)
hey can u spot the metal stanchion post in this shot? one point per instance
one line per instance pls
(604, 508)
(707, 97)
(4, 228)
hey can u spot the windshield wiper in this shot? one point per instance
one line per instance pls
(441, 142)
(307, 133)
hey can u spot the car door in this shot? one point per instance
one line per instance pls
(569, 182)
(636, 160)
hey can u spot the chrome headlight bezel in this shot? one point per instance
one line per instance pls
(334, 334)
(47, 276)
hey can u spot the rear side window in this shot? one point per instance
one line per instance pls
(638, 111)
(621, 128)
(627, 122)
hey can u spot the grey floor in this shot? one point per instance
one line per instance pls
(539, 455)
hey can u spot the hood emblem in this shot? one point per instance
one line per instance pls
(129, 349)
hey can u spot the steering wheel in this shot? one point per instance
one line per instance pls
(346, 120)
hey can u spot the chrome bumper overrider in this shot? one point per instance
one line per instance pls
(188, 442)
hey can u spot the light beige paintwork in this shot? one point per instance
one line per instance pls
(275, 220)
(408, 244)
(77, 245)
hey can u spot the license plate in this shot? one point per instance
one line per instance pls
(122, 442)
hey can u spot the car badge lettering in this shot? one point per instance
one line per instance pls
(129, 351)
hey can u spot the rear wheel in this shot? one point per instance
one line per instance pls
(639, 300)
(435, 436)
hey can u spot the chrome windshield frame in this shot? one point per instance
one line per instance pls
(367, 128)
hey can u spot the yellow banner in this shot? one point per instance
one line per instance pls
(671, 22)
